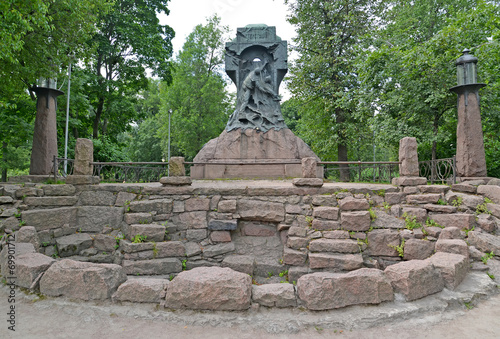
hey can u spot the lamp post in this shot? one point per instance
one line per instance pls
(168, 155)
(45, 133)
(471, 159)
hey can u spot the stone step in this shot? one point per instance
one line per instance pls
(152, 232)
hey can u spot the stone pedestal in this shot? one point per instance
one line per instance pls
(84, 156)
(273, 154)
(45, 132)
(471, 159)
(408, 167)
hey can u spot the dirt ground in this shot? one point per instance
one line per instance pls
(62, 318)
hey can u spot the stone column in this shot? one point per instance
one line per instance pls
(471, 158)
(84, 156)
(45, 132)
(408, 167)
(177, 173)
(309, 165)
(83, 170)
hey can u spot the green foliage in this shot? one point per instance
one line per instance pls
(400, 248)
(487, 257)
(138, 238)
(373, 215)
(457, 202)
(411, 222)
(197, 98)
(492, 277)
(387, 207)
(324, 78)
(441, 202)
(432, 223)
(482, 208)
(184, 266)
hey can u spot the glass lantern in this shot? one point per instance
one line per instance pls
(466, 69)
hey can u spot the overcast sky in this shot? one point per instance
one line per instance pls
(186, 14)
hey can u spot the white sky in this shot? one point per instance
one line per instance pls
(186, 14)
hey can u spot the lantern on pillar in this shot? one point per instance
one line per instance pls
(471, 160)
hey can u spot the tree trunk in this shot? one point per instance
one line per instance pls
(97, 119)
(342, 149)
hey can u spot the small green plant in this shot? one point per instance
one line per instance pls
(184, 266)
(411, 222)
(432, 223)
(441, 202)
(482, 208)
(118, 238)
(487, 257)
(22, 223)
(104, 253)
(138, 238)
(45, 244)
(381, 193)
(155, 250)
(468, 305)
(373, 215)
(17, 214)
(269, 274)
(309, 221)
(387, 207)
(466, 230)
(492, 277)
(283, 273)
(457, 202)
(56, 252)
(171, 277)
(400, 248)
(487, 200)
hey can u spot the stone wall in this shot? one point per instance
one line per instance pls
(367, 236)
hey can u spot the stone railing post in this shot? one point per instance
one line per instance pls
(309, 166)
(177, 173)
(408, 167)
(83, 168)
(84, 156)
(176, 167)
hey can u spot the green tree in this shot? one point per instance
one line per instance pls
(324, 78)
(198, 99)
(411, 68)
(130, 39)
(143, 142)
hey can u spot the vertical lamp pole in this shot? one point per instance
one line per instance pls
(168, 156)
(67, 123)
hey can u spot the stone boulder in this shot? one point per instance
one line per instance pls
(323, 290)
(29, 266)
(274, 295)
(210, 288)
(15, 249)
(82, 280)
(28, 234)
(485, 242)
(72, 244)
(240, 263)
(415, 279)
(453, 267)
(261, 210)
(84, 155)
(418, 249)
(142, 290)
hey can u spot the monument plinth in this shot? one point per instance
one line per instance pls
(256, 136)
